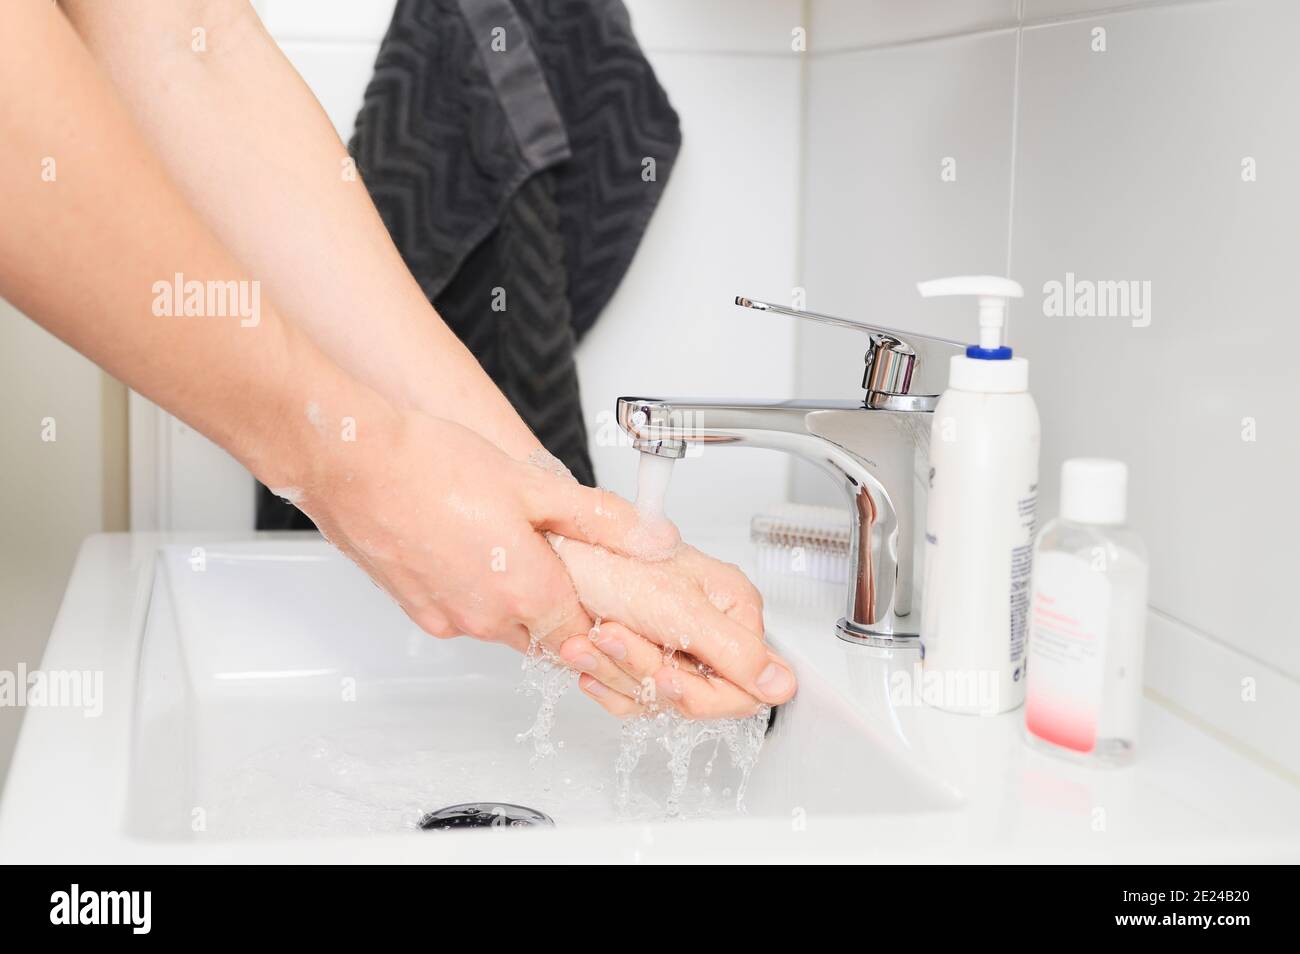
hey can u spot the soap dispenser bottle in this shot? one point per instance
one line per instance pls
(983, 493)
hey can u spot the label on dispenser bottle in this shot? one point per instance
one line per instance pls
(1067, 651)
(1022, 563)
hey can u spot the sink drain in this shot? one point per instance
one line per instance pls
(485, 815)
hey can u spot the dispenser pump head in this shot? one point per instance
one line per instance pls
(992, 292)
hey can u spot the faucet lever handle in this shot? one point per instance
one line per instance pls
(849, 323)
(904, 369)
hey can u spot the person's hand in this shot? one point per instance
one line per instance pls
(452, 529)
(706, 656)
(449, 526)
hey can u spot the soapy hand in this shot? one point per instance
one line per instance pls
(454, 530)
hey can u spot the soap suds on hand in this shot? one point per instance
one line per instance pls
(290, 495)
(550, 463)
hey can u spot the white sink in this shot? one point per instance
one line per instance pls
(281, 693)
(264, 701)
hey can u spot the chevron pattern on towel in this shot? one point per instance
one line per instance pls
(433, 142)
(527, 346)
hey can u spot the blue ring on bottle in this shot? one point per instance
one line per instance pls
(988, 354)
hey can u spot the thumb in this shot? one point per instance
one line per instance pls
(603, 519)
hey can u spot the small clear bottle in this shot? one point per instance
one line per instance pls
(1087, 623)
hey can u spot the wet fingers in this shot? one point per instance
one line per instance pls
(672, 679)
(614, 703)
(578, 652)
(698, 696)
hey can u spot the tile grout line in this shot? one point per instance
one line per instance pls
(1015, 133)
(801, 201)
(1225, 646)
(1033, 23)
(1119, 9)
(1182, 641)
(1222, 736)
(919, 40)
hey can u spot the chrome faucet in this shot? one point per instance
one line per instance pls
(870, 446)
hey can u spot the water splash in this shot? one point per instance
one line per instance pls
(680, 737)
(545, 674)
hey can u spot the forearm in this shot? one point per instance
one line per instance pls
(254, 153)
(93, 230)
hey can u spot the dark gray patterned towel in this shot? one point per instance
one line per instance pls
(516, 150)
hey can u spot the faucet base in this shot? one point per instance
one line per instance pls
(852, 633)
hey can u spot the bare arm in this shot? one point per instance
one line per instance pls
(91, 223)
(253, 152)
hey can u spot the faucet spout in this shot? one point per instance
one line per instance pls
(872, 452)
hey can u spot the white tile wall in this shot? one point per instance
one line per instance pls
(1140, 178)
(1127, 166)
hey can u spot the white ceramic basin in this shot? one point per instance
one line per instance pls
(272, 705)
(281, 693)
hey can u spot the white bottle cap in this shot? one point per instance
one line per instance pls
(1094, 490)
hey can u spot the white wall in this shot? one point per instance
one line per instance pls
(728, 224)
(62, 476)
(1116, 165)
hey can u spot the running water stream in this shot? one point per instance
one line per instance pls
(652, 479)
